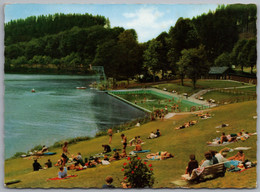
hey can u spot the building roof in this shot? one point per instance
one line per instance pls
(218, 70)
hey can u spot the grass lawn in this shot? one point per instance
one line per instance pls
(181, 143)
(201, 84)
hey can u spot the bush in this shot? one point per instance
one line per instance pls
(18, 154)
(137, 173)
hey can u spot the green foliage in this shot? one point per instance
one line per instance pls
(137, 173)
(194, 63)
(18, 154)
(151, 57)
(34, 27)
(223, 60)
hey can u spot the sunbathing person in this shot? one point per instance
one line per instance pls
(193, 164)
(194, 122)
(138, 147)
(240, 156)
(223, 138)
(43, 150)
(159, 155)
(183, 126)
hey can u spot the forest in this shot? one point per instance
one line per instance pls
(72, 43)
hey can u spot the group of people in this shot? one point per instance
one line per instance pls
(37, 166)
(154, 135)
(188, 124)
(213, 157)
(224, 139)
(204, 116)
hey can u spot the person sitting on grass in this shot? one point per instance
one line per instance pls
(63, 172)
(138, 147)
(107, 148)
(152, 135)
(109, 181)
(223, 138)
(158, 133)
(106, 158)
(123, 154)
(79, 159)
(36, 165)
(115, 157)
(133, 141)
(139, 140)
(48, 164)
(208, 161)
(193, 164)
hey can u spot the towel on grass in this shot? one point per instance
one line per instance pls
(242, 148)
(57, 178)
(217, 144)
(143, 151)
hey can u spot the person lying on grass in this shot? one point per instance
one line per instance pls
(188, 124)
(224, 139)
(159, 155)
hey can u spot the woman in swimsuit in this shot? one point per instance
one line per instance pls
(110, 134)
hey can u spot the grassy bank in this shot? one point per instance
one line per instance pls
(181, 143)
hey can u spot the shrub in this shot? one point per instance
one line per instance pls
(137, 173)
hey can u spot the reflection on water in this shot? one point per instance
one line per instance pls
(57, 110)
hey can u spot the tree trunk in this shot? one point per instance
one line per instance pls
(153, 77)
(194, 83)
(252, 69)
(182, 77)
(242, 68)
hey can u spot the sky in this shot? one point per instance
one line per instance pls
(149, 20)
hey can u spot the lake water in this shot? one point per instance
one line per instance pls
(57, 110)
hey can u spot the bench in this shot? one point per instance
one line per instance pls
(210, 172)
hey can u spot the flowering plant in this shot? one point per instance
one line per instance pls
(137, 173)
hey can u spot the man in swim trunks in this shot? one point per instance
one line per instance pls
(124, 141)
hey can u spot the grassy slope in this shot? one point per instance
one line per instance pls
(181, 143)
(201, 84)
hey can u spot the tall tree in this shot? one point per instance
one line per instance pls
(194, 61)
(151, 57)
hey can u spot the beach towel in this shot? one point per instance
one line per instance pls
(242, 148)
(217, 144)
(57, 178)
(49, 153)
(143, 151)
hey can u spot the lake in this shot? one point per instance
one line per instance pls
(57, 110)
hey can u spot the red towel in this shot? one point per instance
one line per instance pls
(57, 178)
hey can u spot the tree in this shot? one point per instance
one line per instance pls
(194, 62)
(151, 57)
(129, 54)
(163, 52)
(252, 56)
(236, 51)
(223, 60)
